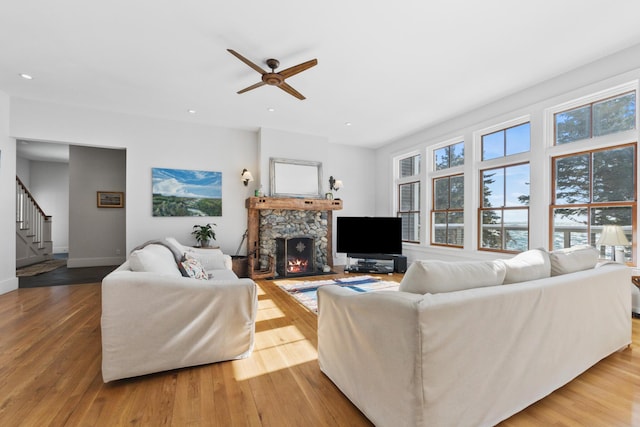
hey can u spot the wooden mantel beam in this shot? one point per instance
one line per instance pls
(293, 204)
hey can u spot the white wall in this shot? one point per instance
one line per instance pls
(23, 170)
(49, 184)
(152, 143)
(289, 145)
(620, 68)
(350, 164)
(8, 279)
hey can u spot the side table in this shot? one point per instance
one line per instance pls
(635, 296)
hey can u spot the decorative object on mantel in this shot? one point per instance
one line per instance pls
(181, 192)
(204, 234)
(246, 177)
(295, 178)
(110, 199)
(613, 235)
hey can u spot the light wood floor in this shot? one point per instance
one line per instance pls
(50, 375)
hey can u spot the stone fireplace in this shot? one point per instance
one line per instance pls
(271, 218)
(295, 256)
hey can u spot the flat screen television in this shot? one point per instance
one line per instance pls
(369, 237)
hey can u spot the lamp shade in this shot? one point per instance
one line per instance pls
(612, 235)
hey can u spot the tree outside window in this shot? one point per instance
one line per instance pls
(600, 118)
(592, 189)
(504, 212)
(447, 217)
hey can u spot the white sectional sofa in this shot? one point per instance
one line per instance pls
(155, 319)
(458, 347)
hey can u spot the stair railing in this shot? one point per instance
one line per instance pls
(30, 216)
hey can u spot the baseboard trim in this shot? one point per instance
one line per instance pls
(8, 285)
(94, 262)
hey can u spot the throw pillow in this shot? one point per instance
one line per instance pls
(211, 259)
(570, 260)
(154, 259)
(194, 268)
(529, 265)
(441, 276)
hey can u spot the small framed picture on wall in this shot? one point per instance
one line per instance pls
(110, 199)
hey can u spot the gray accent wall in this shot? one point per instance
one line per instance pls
(97, 236)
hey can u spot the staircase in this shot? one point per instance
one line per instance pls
(33, 229)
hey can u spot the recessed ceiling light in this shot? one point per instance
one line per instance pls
(26, 76)
(271, 109)
(191, 111)
(347, 123)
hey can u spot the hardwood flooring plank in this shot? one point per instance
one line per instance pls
(50, 374)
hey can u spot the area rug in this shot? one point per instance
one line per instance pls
(41, 267)
(306, 292)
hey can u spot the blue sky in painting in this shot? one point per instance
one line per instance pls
(187, 183)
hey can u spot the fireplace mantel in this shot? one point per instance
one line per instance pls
(293, 204)
(256, 204)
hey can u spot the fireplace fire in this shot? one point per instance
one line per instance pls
(295, 256)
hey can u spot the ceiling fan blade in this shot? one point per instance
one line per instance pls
(246, 61)
(298, 68)
(247, 89)
(291, 91)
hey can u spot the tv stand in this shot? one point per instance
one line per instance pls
(369, 265)
(375, 263)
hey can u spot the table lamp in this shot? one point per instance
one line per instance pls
(612, 235)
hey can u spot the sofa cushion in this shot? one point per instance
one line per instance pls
(529, 265)
(154, 259)
(194, 268)
(570, 260)
(441, 276)
(211, 259)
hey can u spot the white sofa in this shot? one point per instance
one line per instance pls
(476, 355)
(154, 319)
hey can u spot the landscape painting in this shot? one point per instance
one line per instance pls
(181, 192)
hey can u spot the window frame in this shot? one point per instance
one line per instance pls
(508, 160)
(588, 206)
(445, 211)
(413, 179)
(590, 103)
(502, 208)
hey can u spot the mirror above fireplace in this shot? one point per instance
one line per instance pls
(295, 178)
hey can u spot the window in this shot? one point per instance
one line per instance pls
(447, 216)
(506, 142)
(592, 189)
(599, 118)
(449, 156)
(447, 204)
(410, 166)
(408, 184)
(504, 211)
(504, 191)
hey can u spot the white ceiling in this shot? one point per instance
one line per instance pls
(389, 68)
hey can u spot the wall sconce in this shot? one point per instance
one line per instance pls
(612, 235)
(334, 184)
(246, 177)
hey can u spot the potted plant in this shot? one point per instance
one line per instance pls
(203, 234)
